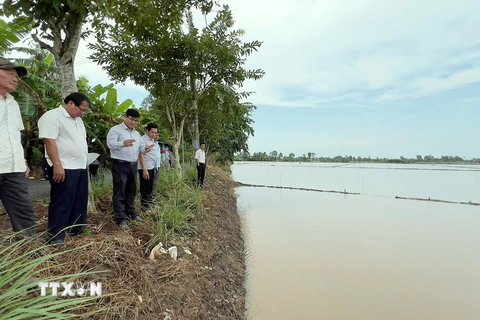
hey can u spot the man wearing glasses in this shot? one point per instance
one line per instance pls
(65, 139)
(148, 168)
(126, 145)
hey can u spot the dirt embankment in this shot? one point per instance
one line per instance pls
(207, 284)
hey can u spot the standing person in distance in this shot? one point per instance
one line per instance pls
(201, 164)
(125, 145)
(13, 167)
(65, 139)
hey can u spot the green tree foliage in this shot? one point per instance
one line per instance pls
(310, 156)
(225, 122)
(12, 32)
(58, 28)
(38, 91)
(156, 53)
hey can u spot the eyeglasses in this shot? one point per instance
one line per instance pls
(133, 119)
(82, 110)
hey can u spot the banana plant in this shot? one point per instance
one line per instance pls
(12, 32)
(105, 112)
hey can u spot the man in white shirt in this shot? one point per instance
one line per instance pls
(125, 144)
(13, 168)
(148, 168)
(65, 139)
(201, 164)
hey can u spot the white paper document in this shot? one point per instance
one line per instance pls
(92, 157)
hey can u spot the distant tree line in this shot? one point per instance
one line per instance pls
(312, 157)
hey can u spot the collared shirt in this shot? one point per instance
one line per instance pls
(151, 157)
(200, 155)
(115, 138)
(11, 155)
(70, 137)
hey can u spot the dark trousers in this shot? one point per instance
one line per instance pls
(17, 202)
(124, 190)
(68, 203)
(200, 173)
(147, 188)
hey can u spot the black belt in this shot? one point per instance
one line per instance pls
(154, 169)
(126, 162)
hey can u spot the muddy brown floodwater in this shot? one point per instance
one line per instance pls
(327, 256)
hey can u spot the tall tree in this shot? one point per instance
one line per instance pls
(226, 122)
(59, 25)
(156, 53)
(58, 28)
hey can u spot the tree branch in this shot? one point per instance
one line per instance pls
(42, 44)
(57, 42)
(73, 34)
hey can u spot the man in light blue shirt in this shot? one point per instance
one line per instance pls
(125, 145)
(148, 168)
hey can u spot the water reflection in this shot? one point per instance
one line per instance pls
(329, 256)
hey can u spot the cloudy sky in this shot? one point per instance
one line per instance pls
(379, 78)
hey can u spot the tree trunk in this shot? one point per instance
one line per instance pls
(193, 87)
(66, 73)
(65, 50)
(177, 134)
(176, 146)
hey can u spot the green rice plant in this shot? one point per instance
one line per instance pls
(21, 265)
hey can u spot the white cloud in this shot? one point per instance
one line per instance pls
(426, 86)
(326, 48)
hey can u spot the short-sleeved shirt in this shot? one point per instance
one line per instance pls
(11, 150)
(115, 138)
(70, 137)
(151, 158)
(200, 155)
